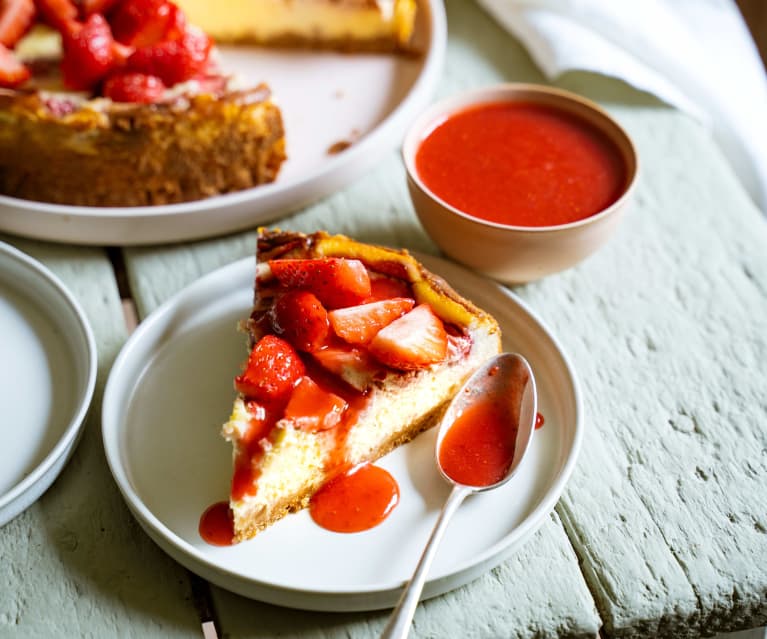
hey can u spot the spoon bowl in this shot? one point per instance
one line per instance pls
(493, 419)
(506, 387)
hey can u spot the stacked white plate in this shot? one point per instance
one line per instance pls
(47, 377)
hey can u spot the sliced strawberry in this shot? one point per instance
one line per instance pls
(174, 61)
(12, 72)
(88, 53)
(139, 23)
(353, 365)
(384, 288)
(88, 7)
(60, 14)
(121, 53)
(16, 16)
(272, 370)
(300, 318)
(175, 27)
(313, 409)
(415, 340)
(359, 324)
(133, 87)
(337, 282)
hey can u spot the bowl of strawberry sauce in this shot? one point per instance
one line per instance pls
(519, 181)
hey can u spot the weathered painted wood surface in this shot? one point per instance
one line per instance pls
(662, 531)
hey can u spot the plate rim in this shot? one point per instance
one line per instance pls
(76, 425)
(27, 217)
(312, 598)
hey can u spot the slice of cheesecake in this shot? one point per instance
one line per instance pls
(347, 25)
(354, 350)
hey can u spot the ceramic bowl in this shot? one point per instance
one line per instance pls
(516, 254)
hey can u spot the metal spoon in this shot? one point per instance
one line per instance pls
(506, 377)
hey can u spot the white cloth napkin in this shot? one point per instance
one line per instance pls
(696, 55)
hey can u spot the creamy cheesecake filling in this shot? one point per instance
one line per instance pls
(303, 21)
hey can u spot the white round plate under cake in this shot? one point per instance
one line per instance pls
(171, 388)
(325, 98)
(47, 376)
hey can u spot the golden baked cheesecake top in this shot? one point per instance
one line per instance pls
(352, 25)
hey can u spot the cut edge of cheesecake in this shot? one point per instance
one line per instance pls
(293, 464)
(340, 25)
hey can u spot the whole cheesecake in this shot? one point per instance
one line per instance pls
(346, 25)
(123, 103)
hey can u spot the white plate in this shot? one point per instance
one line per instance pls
(171, 388)
(47, 375)
(325, 98)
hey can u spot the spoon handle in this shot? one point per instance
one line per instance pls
(398, 626)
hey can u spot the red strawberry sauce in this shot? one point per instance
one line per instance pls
(521, 164)
(479, 447)
(356, 500)
(216, 525)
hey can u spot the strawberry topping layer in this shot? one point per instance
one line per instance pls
(125, 50)
(320, 313)
(326, 330)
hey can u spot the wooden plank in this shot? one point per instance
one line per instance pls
(76, 563)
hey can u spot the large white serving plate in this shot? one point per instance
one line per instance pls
(325, 98)
(171, 388)
(47, 376)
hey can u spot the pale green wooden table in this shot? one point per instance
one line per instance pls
(662, 530)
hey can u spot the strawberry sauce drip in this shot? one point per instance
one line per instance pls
(356, 402)
(251, 449)
(217, 525)
(539, 421)
(356, 500)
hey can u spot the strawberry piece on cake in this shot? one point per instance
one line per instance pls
(272, 371)
(16, 17)
(413, 341)
(336, 282)
(360, 324)
(301, 319)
